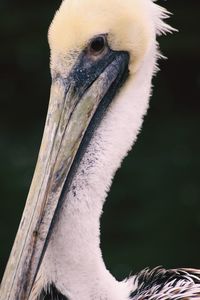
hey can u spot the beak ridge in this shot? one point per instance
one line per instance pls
(68, 118)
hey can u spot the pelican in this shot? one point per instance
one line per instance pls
(103, 56)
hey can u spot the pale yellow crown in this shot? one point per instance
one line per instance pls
(131, 26)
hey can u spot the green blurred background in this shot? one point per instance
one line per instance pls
(152, 216)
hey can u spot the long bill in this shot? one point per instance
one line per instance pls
(74, 105)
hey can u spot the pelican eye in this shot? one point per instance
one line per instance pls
(97, 45)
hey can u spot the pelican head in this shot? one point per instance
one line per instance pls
(103, 56)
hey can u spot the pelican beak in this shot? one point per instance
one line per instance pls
(77, 104)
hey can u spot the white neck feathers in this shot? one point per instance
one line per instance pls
(73, 259)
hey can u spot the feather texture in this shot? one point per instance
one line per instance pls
(161, 284)
(51, 293)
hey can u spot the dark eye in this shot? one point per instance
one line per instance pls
(97, 45)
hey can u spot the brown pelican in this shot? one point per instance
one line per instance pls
(103, 56)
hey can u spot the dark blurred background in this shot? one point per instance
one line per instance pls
(152, 216)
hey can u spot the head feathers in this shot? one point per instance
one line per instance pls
(131, 26)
